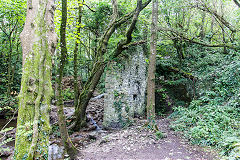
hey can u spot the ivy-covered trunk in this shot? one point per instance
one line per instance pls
(100, 63)
(38, 43)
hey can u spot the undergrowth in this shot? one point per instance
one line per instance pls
(4, 140)
(210, 125)
(213, 116)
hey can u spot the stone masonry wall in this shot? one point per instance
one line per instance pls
(125, 86)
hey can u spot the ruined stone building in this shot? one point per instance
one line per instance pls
(125, 86)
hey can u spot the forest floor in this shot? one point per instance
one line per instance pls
(137, 142)
(132, 142)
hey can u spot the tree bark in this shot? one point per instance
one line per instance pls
(76, 86)
(179, 47)
(86, 94)
(38, 44)
(69, 147)
(202, 29)
(9, 67)
(152, 65)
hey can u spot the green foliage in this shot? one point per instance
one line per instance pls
(97, 20)
(68, 94)
(12, 18)
(7, 104)
(161, 112)
(209, 125)
(4, 140)
(213, 118)
(160, 135)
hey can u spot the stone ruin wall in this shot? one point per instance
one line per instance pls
(125, 86)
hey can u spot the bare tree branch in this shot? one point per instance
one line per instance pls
(121, 44)
(205, 8)
(89, 7)
(134, 44)
(181, 35)
(237, 3)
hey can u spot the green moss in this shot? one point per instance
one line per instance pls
(34, 97)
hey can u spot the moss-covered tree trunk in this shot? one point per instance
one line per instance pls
(38, 43)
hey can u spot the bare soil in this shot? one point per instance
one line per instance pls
(137, 142)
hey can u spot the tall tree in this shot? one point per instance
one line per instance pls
(11, 24)
(100, 62)
(69, 147)
(38, 44)
(152, 64)
(75, 52)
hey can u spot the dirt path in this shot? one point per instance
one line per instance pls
(138, 143)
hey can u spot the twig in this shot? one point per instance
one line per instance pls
(9, 120)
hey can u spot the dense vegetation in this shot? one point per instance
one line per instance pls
(197, 55)
(212, 118)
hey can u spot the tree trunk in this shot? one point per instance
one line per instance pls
(76, 86)
(69, 147)
(179, 47)
(223, 31)
(86, 94)
(38, 44)
(224, 41)
(9, 67)
(152, 65)
(202, 29)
